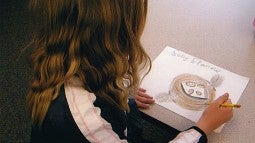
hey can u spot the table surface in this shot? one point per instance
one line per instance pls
(220, 32)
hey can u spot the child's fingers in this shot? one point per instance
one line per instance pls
(142, 89)
(147, 100)
(141, 104)
(144, 95)
(222, 98)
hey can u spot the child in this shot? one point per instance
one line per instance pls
(86, 61)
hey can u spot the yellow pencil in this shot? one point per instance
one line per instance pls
(230, 105)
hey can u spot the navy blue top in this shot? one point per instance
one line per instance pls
(59, 125)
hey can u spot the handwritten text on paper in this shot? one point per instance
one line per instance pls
(184, 57)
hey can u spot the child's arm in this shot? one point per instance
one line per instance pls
(213, 116)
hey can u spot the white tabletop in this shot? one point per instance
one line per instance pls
(218, 31)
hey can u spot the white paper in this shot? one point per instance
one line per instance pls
(172, 62)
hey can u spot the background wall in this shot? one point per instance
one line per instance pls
(16, 28)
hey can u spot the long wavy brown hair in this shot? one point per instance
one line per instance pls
(97, 41)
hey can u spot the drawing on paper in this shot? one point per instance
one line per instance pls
(191, 91)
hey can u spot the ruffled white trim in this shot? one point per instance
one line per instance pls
(87, 116)
(189, 136)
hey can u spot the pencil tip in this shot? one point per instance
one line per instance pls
(237, 105)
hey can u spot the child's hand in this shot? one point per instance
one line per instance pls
(215, 115)
(142, 99)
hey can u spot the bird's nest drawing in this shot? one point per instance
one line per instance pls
(191, 91)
